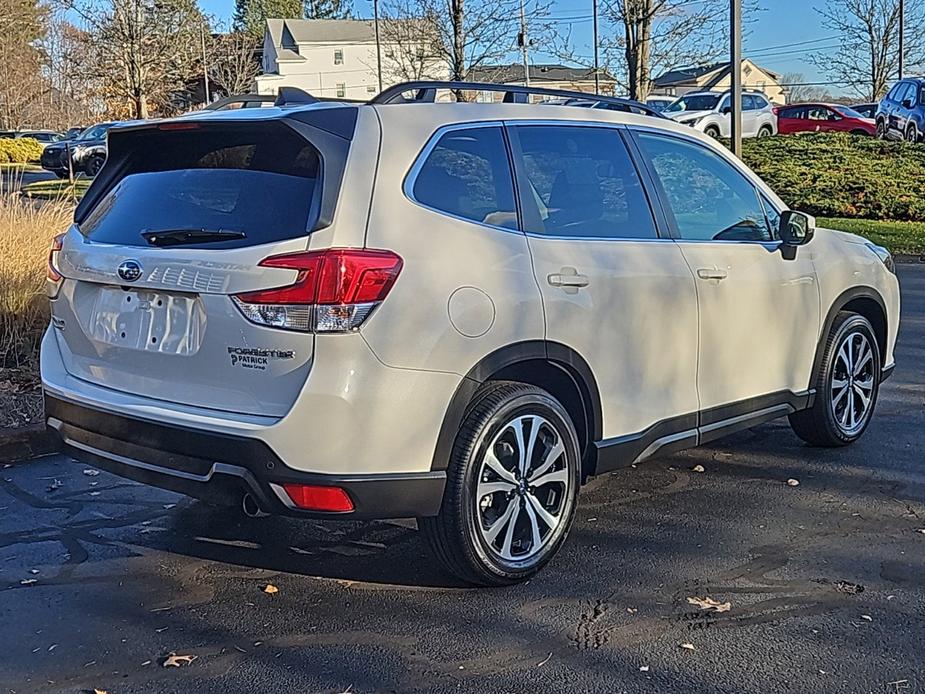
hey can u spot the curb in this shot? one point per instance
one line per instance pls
(909, 259)
(21, 443)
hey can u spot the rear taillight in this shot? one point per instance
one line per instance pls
(334, 291)
(51, 272)
(775, 110)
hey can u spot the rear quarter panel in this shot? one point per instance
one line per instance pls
(465, 290)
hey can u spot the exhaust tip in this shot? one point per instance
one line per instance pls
(251, 508)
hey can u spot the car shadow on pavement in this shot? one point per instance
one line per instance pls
(378, 552)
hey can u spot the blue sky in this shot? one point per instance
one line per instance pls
(778, 22)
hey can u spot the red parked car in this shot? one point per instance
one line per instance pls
(812, 118)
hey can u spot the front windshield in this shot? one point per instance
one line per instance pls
(693, 102)
(95, 132)
(848, 112)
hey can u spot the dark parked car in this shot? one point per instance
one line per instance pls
(815, 118)
(868, 110)
(901, 113)
(73, 133)
(88, 152)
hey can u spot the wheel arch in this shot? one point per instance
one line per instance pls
(865, 301)
(552, 366)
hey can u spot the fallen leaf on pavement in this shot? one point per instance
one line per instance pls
(90, 472)
(709, 603)
(698, 468)
(545, 660)
(922, 530)
(867, 618)
(270, 588)
(793, 483)
(174, 660)
(27, 581)
(644, 668)
(100, 691)
(688, 646)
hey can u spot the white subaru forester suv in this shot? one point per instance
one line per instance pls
(450, 311)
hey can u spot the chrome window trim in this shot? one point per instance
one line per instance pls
(412, 175)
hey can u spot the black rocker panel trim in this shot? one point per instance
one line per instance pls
(689, 430)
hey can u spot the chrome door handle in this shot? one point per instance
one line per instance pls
(568, 279)
(712, 273)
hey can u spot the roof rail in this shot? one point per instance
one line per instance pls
(425, 91)
(293, 95)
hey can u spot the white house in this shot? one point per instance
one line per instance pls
(337, 57)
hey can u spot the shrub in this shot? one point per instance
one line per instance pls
(20, 150)
(842, 175)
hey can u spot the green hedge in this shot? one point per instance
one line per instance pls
(842, 175)
(19, 151)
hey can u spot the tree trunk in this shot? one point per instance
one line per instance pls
(637, 24)
(458, 68)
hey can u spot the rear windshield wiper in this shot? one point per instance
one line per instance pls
(176, 237)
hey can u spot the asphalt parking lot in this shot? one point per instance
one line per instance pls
(101, 579)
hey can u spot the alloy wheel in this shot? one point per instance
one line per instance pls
(853, 383)
(522, 488)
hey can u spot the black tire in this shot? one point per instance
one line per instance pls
(61, 174)
(824, 423)
(881, 128)
(860, 132)
(711, 131)
(94, 164)
(457, 536)
(765, 131)
(912, 133)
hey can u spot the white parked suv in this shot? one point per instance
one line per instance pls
(708, 112)
(455, 312)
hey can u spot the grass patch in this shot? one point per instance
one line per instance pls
(901, 238)
(26, 230)
(57, 189)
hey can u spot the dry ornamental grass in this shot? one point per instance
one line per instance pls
(26, 230)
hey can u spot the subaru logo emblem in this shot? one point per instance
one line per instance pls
(130, 270)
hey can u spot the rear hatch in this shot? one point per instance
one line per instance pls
(178, 222)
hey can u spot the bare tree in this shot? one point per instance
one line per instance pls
(798, 90)
(144, 51)
(22, 61)
(411, 48)
(868, 30)
(662, 35)
(463, 35)
(234, 63)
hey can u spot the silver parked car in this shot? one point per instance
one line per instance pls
(708, 112)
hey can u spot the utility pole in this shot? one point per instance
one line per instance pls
(205, 65)
(378, 44)
(735, 68)
(902, 37)
(597, 65)
(524, 44)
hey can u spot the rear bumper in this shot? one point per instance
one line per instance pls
(222, 468)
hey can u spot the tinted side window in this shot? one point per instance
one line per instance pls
(467, 174)
(893, 94)
(710, 199)
(908, 93)
(792, 112)
(583, 183)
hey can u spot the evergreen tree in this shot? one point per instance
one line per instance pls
(327, 9)
(251, 16)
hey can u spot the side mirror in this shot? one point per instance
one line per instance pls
(796, 228)
(726, 110)
(907, 103)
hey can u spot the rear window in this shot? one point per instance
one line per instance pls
(258, 179)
